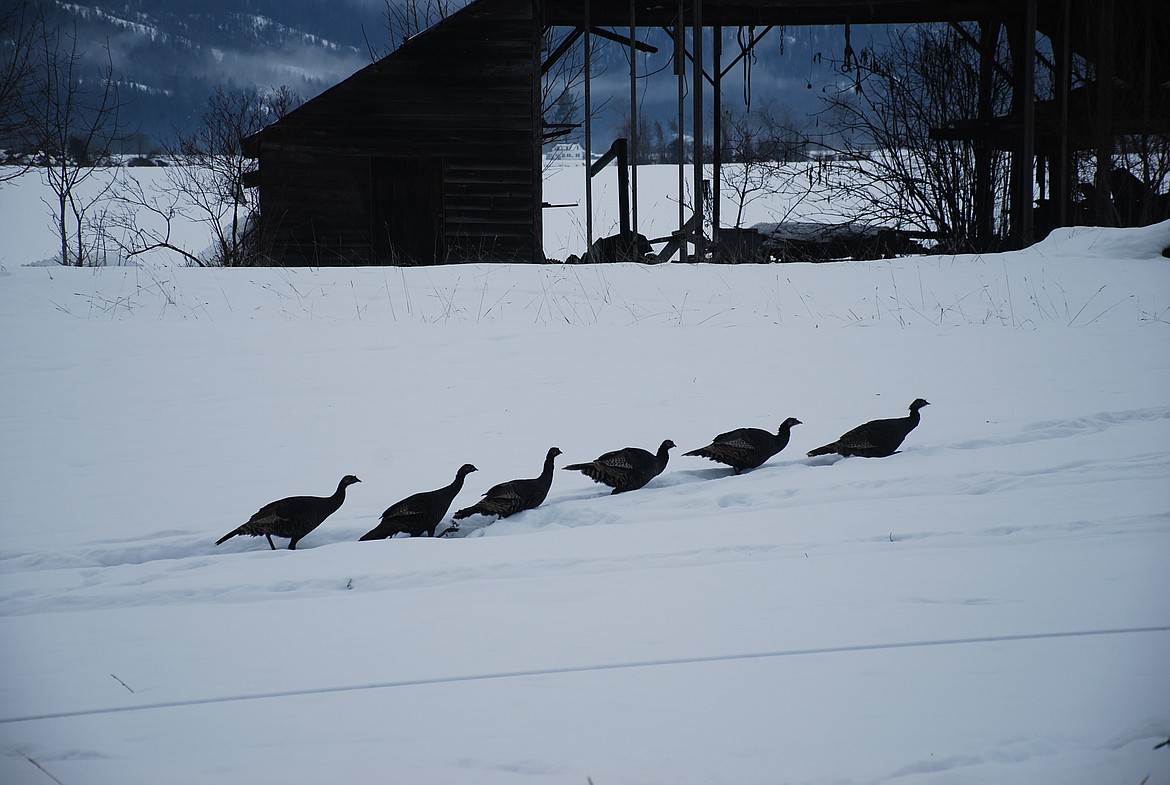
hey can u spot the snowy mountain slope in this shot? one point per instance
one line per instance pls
(168, 58)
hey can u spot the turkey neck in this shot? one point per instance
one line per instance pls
(914, 419)
(546, 474)
(663, 455)
(338, 496)
(456, 485)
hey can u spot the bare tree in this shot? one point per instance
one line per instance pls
(560, 105)
(22, 32)
(644, 152)
(212, 170)
(71, 114)
(407, 18)
(759, 146)
(749, 177)
(1139, 177)
(206, 182)
(879, 131)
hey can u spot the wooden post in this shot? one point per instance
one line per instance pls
(1022, 36)
(633, 150)
(617, 151)
(984, 151)
(1062, 169)
(681, 69)
(1104, 90)
(537, 142)
(621, 150)
(697, 123)
(1028, 143)
(588, 137)
(716, 130)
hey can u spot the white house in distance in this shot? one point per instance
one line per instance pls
(565, 153)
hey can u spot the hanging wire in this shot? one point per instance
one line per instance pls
(748, 53)
(815, 60)
(850, 62)
(848, 57)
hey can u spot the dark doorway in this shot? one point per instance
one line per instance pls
(406, 196)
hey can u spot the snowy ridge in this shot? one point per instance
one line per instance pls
(265, 27)
(144, 27)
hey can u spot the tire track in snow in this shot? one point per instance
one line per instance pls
(1045, 430)
(594, 668)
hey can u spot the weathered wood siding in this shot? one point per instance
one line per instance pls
(464, 95)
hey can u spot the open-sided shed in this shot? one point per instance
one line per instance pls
(433, 153)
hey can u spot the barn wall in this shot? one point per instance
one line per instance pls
(464, 93)
(315, 211)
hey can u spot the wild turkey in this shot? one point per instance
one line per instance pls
(874, 439)
(627, 469)
(421, 512)
(293, 517)
(746, 448)
(509, 498)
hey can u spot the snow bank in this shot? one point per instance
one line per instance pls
(987, 605)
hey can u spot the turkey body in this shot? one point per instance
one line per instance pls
(509, 498)
(746, 448)
(874, 439)
(421, 513)
(293, 517)
(627, 469)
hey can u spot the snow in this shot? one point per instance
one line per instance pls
(987, 605)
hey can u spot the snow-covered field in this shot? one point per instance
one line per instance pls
(989, 605)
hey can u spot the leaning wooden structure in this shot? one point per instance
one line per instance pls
(433, 153)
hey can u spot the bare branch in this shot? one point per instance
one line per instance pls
(72, 117)
(883, 155)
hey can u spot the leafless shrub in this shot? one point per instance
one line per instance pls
(762, 144)
(70, 114)
(22, 34)
(879, 121)
(206, 182)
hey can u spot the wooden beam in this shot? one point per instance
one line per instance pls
(686, 54)
(1022, 40)
(1062, 172)
(1028, 141)
(563, 47)
(985, 55)
(680, 69)
(634, 123)
(1104, 130)
(697, 121)
(984, 188)
(716, 131)
(588, 134)
(601, 32)
(745, 52)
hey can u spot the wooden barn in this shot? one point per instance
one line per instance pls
(433, 153)
(429, 155)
